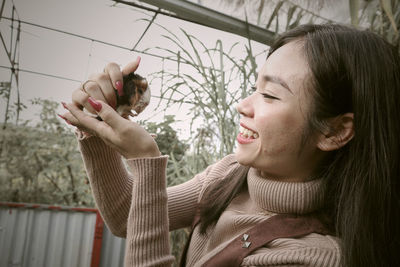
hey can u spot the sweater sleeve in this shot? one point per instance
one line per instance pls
(147, 242)
(111, 186)
(110, 182)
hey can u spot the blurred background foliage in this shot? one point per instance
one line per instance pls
(40, 162)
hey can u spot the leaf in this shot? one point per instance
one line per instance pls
(260, 10)
(274, 14)
(354, 6)
(297, 21)
(387, 7)
(290, 15)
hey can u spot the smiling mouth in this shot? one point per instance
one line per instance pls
(246, 133)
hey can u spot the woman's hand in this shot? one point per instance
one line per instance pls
(101, 86)
(127, 137)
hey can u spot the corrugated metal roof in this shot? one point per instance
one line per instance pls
(40, 235)
(112, 250)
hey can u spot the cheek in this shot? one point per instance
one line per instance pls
(280, 131)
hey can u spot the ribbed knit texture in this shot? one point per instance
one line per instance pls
(148, 240)
(284, 197)
(110, 183)
(148, 213)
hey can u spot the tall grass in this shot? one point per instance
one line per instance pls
(209, 81)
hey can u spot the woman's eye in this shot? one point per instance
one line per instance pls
(269, 96)
(254, 89)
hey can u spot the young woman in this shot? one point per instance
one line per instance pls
(317, 135)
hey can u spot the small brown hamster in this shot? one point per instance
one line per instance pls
(136, 95)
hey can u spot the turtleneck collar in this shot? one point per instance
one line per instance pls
(284, 197)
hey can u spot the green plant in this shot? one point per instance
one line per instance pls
(169, 144)
(211, 83)
(380, 16)
(40, 163)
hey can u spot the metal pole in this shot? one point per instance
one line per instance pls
(195, 13)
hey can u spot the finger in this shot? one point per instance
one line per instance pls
(114, 71)
(91, 124)
(79, 98)
(64, 117)
(106, 88)
(108, 114)
(93, 89)
(131, 67)
(71, 120)
(69, 117)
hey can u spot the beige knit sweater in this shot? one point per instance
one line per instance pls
(138, 206)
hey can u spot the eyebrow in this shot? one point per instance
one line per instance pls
(275, 79)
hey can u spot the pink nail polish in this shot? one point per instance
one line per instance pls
(138, 59)
(64, 105)
(120, 90)
(118, 85)
(62, 117)
(96, 105)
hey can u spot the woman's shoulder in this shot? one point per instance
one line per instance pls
(222, 165)
(309, 242)
(221, 168)
(310, 250)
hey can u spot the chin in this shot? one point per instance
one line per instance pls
(243, 159)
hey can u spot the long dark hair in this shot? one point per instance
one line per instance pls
(352, 71)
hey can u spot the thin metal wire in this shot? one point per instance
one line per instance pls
(13, 62)
(73, 80)
(94, 40)
(41, 73)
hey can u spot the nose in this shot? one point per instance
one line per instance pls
(245, 107)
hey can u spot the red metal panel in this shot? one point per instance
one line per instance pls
(97, 240)
(43, 206)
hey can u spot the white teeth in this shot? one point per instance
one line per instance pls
(247, 133)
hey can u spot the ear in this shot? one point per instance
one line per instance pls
(342, 131)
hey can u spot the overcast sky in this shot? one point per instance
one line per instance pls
(74, 58)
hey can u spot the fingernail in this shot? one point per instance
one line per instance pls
(62, 117)
(138, 59)
(96, 105)
(64, 105)
(118, 86)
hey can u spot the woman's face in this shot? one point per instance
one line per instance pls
(276, 116)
